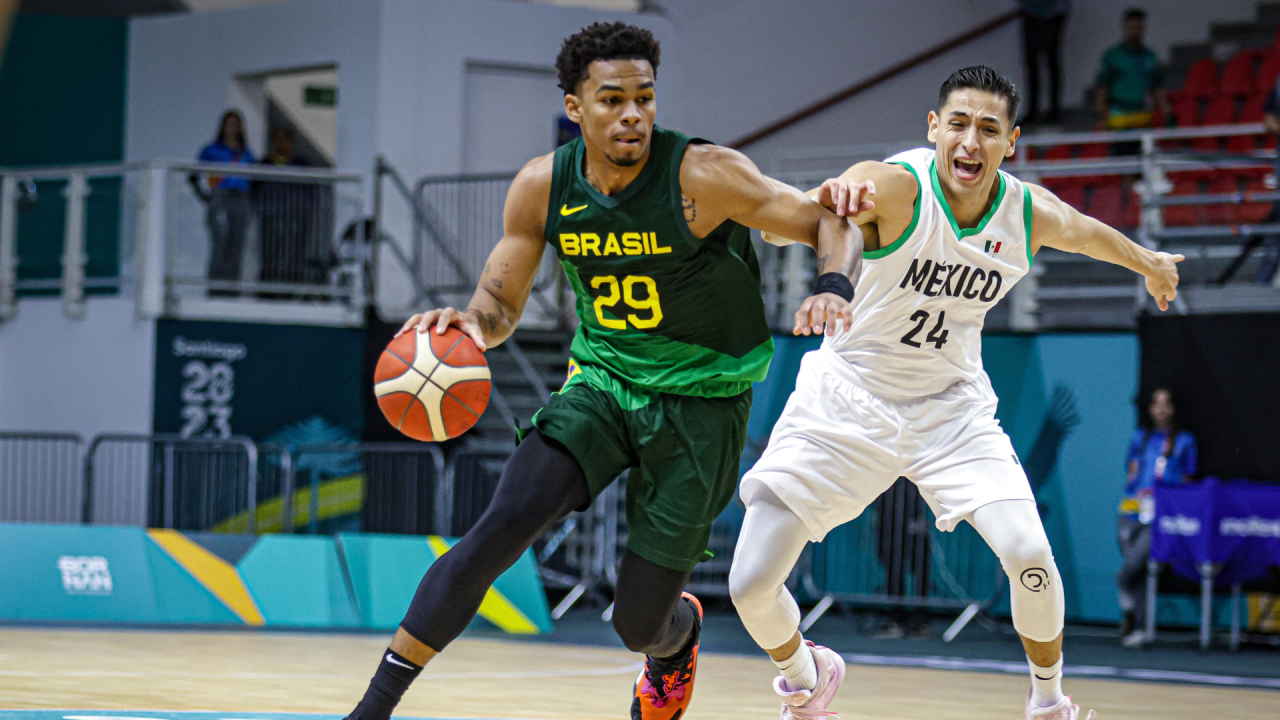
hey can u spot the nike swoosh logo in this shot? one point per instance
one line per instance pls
(566, 210)
(391, 659)
(1048, 678)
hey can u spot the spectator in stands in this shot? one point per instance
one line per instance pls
(1042, 22)
(1159, 452)
(290, 218)
(229, 210)
(1130, 79)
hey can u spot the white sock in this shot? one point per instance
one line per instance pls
(799, 669)
(1046, 684)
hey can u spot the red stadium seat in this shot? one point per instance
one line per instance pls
(1107, 205)
(1237, 76)
(1095, 150)
(1254, 213)
(1057, 152)
(1184, 215)
(1250, 113)
(1201, 82)
(1222, 213)
(1221, 111)
(1186, 113)
(1073, 195)
(1268, 73)
(1057, 184)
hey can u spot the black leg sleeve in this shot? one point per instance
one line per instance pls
(647, 612)
(541, 484)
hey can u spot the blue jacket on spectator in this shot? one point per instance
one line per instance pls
(1153, 458)
(217, 152)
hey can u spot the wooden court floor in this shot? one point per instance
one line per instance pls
(482, 678)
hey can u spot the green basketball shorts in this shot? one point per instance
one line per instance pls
(683, 452)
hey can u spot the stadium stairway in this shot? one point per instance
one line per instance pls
(548, 353)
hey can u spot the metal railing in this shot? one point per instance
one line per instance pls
(1155, 155)
(890, 556)
(292, 237)
(397, 487)
(40, 477)
(171, 482)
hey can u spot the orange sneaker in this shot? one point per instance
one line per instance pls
(665, 687)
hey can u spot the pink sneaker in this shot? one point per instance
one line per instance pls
(1064, 710)
(812, 704)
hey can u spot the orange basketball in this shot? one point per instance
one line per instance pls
(432, 387)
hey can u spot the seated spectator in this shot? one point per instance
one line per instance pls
(1130, 79)
(1160, 452)
(229, 212)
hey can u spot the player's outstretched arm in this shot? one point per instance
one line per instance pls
(508, 276)
(1057, 225)
(724, 184)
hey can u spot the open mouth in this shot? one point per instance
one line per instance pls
(966, 169)
(629, 141)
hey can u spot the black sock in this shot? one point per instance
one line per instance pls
(395, 674)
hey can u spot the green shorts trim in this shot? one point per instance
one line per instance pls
(683, 452)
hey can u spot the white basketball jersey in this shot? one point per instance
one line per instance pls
(921, 301)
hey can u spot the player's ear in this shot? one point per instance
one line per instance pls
(933, 127)
(573, 108)
(1013, 142)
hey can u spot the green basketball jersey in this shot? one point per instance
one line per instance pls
(660, 309)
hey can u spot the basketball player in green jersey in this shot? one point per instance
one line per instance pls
(651, 228)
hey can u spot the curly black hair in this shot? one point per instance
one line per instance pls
(603, 41)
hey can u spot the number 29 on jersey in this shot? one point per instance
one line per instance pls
(636, 292)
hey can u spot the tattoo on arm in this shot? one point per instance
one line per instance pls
(690, 208)
(488, 323)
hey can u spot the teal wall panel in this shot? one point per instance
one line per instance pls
(68, 572)
(180, 598)
(385, 571)
(522, 585)
(298, 581)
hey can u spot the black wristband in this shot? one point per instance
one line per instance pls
(835, 283)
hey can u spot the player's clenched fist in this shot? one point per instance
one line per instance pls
(466, 321)
(1162, 279)
(819, 312)
(847, 198)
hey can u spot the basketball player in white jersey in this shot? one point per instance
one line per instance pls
(901, 390)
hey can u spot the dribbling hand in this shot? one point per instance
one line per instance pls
(847, 198)
(1162, 280)
(821, 311)
(466, 321)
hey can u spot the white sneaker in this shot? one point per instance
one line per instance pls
(1135, 639)
(1064, 710)
(804, 704)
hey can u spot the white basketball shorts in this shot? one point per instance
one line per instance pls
(837, 447)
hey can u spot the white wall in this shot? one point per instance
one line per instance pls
(84, 376)
(181, 69)
(424, 50)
